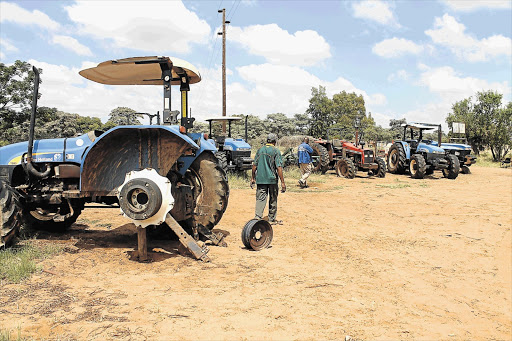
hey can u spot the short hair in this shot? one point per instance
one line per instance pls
(306, 139)
(271, 138)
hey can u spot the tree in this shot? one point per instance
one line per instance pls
(320, 108)
(123, 116)
(346, 108)
(301, 124)
(279, 124)
(396, 129)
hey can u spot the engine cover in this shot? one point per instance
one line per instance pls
(145, 197)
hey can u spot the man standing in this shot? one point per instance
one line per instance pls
(267, 166)
(305, 164)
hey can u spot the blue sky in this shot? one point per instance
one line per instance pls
(410, 59)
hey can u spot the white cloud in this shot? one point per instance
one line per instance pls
(156, 26)
(16, 14)
(278, 46)
(378, 11)
(399, 75)
(474, 5)
(72, 44)
(450, 33)
(396, 47)
(5, 45)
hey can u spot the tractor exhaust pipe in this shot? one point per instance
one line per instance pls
(246, 117)
(30, 167)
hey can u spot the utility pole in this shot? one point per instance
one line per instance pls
(223, 34)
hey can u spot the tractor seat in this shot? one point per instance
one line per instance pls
(337, 143)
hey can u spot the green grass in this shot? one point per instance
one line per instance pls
(485, 159)
(9, 335)
(393, 186)
(20, 261)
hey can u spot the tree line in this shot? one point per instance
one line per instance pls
(488, 122)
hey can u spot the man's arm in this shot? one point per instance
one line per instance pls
(253, 178)
(281, 177)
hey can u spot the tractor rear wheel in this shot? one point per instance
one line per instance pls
(42, 218)
(381, 171)
(211, 190)
(345, 167)
(10, 215)
(396, 158)
(322, 164)
(453, 169)
(222, 159)
(417, 166)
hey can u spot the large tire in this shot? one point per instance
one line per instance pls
(396, 159)
(345, 167)
(322, 165)
(417, 166)
(454, 167)
(10, 215)
(222, 159)
(212, 190)
(42, 218)
(381, 171)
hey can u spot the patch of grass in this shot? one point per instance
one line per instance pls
(20, 261)
(423, 185)
(239, 180)
(337, 188)
(485, 159)
(8, 335)
(393, 186)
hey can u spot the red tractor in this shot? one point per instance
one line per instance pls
(347, 158)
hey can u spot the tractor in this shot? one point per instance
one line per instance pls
(421, 156)
(462, 151)
(347, 158)
(233, 154)
(160, 175)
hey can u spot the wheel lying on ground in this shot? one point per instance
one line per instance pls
(10, 215)
(322, 164)
(257, 234)
(211, 190)
(42, 218)
(453, 169)
(345, 167)
(381, 171)
(222, 159)
(396, 158)
(417, 166)
(465, 169)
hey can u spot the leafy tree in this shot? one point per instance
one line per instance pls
(396, 129)
(346, 109)
(320, 111)
(123, 116)
(301, 124)
(279, 124)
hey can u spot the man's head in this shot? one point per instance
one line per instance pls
(306, 139)
(271, 138)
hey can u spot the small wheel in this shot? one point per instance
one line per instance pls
(257, 234)
(453, 169)
(345, 167)
(417, 166)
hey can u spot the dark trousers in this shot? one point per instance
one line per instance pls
(261, 200)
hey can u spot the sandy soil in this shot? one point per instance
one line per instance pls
(391, 258)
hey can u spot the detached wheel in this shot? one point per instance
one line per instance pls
(257, 234)
(222, 159)
(211, 190)
(381, 171)
(345, 167)
(417, 166)
(453, 169)
(43, 218)
(465, 170)
(10, 215)
(396, 159)
(322, 164)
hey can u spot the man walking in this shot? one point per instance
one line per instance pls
(267, 167)
(305, 164)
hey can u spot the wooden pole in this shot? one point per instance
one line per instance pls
(142, 244)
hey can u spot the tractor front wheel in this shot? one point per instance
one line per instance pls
(10, 215)
(453, 169)
(417, 166)
(345, 167)
(381, 171)
(211, 190)
(222, 159)
(396, 158)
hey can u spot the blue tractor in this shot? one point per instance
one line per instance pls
(462, 152)
(234, 154)
(160, 175)
(420, 156)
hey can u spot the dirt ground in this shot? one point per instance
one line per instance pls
(369, 258)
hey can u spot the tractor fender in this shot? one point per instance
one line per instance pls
(204, 146)
(124, 149)
(407, 149)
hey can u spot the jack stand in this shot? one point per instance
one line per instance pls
(187, 241)
(142, 244)
(215, 238)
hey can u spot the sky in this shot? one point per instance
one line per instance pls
(408, 59)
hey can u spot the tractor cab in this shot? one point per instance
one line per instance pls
(233, 153)
(417, 142)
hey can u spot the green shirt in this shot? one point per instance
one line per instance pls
(267, 159)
